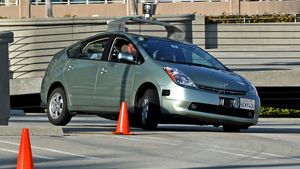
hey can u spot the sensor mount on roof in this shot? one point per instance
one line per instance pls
(119, 26)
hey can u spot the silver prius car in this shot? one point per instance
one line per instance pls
(162, 80)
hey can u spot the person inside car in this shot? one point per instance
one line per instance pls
(129, 48)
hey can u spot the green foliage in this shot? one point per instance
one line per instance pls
(3, 17)
(69, 16)
(279, 112)
(265, 18)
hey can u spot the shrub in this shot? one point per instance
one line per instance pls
(279, 112)
(265, 18)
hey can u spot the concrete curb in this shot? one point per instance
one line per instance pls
(17, 112)
(33, 131)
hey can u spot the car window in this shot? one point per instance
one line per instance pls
(74, 50)
(94, 50)
(122, 45)
(116, 48)
(178, 52)
(196, 57)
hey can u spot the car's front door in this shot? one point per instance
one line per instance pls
(81, 72)
(115, 79)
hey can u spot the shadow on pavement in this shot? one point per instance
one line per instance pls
(290, 165)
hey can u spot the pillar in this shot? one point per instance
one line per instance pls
(24, 9)
(235, 6)
(5, 38)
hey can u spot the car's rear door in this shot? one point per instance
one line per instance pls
(114, 80)
(81, 71)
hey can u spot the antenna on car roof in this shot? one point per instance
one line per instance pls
(118, 25)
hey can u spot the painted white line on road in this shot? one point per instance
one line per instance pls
(236, 154)
(7, 166)
(52, 150)
(276, 155)
(8, 142)
(133, 138)
(250, 151)
(176, 142)
(66, 153)
(16, 152)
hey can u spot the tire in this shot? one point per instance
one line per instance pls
(57, 111)
(149, 110)
(233, 128)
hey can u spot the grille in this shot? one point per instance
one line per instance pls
(220, 91)
(221, 110)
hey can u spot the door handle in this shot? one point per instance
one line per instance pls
(103, 70)
(70, 67)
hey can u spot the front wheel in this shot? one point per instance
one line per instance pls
(149, 110)
(58, 113)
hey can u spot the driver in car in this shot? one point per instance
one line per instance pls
(129, 48)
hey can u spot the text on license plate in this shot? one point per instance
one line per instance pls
(248, 104)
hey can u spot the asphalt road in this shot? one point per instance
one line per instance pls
(88, 143)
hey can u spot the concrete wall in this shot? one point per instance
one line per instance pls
(9, 11)
(82, 10)
(254, 7)
(120, 9)
(267, 54)
(204, 8)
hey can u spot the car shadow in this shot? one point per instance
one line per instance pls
(94, 129)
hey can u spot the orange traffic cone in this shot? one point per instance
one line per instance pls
(25, 156)
(123, 123)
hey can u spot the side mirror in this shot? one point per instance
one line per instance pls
(125, 57)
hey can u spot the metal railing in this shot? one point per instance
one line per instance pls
(68, 2)
(9, 2)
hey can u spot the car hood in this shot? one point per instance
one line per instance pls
(210, 77)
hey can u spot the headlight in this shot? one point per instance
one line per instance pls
(252, 90)
(179, 77)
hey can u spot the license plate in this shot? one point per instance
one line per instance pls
(227, 102)
(248, 104)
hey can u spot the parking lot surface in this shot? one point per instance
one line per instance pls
(87, 142)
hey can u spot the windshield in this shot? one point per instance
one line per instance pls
(177, 52)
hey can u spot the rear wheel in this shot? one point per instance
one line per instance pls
(149, 109)
(58, 113)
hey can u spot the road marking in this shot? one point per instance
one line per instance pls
(51, 150)
(133, 138)
(236, 154)
(249, 151)
(175, 143)
(66, 153)
(16, 152)
(6, 166)
(8, 142)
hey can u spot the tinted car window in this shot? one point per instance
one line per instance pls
(74, 50)
(177, 52)
(121, 45)
(94, 49)
(116, 49)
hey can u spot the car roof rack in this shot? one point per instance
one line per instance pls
(118, 25)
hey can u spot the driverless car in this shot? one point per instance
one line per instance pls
(165, 80)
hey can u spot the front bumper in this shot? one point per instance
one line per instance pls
(179, 102)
